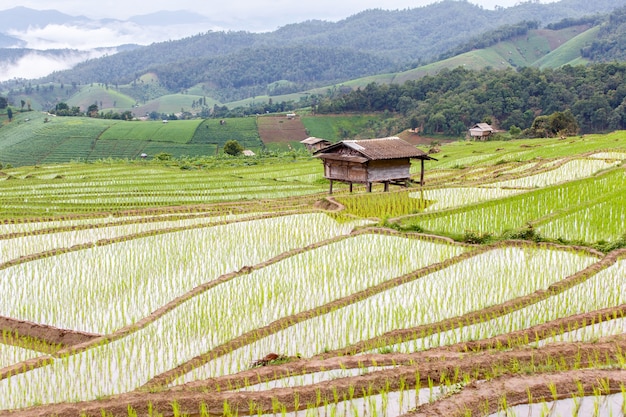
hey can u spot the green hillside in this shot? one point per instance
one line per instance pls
(336, 128)
(35, 138)
(569, 52)
(106, 98)
(172, 103)
(542, 48)
(179, 131)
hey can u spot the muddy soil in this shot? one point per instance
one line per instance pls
(479, 398)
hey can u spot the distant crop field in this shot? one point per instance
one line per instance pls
(215, 132)
(336, 128)
(105, 98)
(35, 138)
(178, 131)
(281, 129)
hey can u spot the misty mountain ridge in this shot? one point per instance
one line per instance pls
(233, 65)
(21, 18)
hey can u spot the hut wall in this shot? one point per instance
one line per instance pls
(345, 171)
(387, 170)
(319, 145)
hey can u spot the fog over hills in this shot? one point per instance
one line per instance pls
(35, 43)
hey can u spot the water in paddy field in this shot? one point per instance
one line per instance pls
(596, 406)
(382, 405)
(312, 378)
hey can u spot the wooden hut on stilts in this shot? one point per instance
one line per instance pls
(384, 160)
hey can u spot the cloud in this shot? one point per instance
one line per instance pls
(39, 64)
(109, 35)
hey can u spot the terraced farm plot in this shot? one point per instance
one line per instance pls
(261, 301)
(218, 132)
(10, 355)
(511, 213)
(179, 131)
(104, 187)
(126, 281)
(569, 171)
(224, 286)
(476, 283)
(281, 130)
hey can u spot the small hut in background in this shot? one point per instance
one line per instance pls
(315, 144)
(481, 131)
(385, 160)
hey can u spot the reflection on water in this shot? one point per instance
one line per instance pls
(597, 406)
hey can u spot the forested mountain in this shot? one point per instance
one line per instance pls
(610, 44)
(455, 99)
(248, 72)
(230, 66)
(404, 37)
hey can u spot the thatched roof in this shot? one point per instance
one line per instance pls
(372, 150)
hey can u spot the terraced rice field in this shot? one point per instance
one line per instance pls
(143, 289)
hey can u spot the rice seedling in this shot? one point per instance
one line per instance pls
(480, 281)
(215, 316)
(112, 286)
(445, 198)
(599, 291)
(570, 171)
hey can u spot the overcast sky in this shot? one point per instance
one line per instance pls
(275, 12)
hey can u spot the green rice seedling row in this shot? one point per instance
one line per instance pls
(126, 281)
(605, 289)
(261, 299)
(483, 280)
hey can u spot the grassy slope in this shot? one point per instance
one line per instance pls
(63, 139)
(178, 131)
(569, 52)
(105, 98)
(336, 128)
(523, 51)
(243, 130)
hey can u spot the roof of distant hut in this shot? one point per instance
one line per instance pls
(313, 140)
(482, 128)
(373, 149)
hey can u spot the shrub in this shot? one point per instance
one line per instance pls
(232, 147)
(474, 237)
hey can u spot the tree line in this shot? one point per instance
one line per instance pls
(452, 101)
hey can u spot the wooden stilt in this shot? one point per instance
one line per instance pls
(330, 191)
(369, 187)
(386, 186)
(350, 187)
(422, 173)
